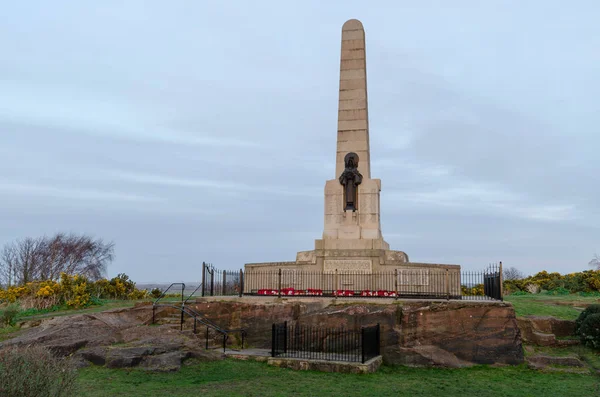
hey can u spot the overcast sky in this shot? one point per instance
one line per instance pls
(190, 131)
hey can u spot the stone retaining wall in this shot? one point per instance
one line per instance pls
(413, 333)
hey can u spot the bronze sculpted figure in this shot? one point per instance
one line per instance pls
(351, 178)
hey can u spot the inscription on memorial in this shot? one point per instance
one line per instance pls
(413, 277)
(347, 265)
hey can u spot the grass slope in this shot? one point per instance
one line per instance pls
(566, 307)
(248, 378)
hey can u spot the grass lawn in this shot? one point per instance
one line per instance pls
(249, 378)
(565, 307)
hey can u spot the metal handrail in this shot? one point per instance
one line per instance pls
(192, 294)
(168, 288)
(204, 321)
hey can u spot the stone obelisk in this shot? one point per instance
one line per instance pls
(353, 112)
(359, 228)
(352, 241)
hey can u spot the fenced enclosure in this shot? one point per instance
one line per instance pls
(221, 282)
(330, 344)
(402, 283)
(422, 283)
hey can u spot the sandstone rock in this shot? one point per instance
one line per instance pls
(89, 339)
(450, 334)
(127, 357)
(543, 330)
(543, 361)
(94, 355)
(551, 325)
(481, 333)
(65, 347)
(167, 362)
(29, 324)
(78, 362)
(463, 333)
(421, 356)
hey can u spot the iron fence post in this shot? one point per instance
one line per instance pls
(224, 292)
(279, 284)
(501, 283)
(212, 282)
(335, 284)
(203, 278)
(378, 339)
(362, 344)
(241, 283)
(285, 336)
(273, 340)
(396, 282)
(447, 285)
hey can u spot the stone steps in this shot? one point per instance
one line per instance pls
(569, 364)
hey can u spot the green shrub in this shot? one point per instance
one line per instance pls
(558, 291)
(34, 371)
(593, 293)
(33, 311)
(589, 332)
(156, 293)
(519, 293)
(9, 316)
(591, 309)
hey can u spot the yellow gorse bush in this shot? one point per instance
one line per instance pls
(73, 290)
(13, 293)
(587, 281)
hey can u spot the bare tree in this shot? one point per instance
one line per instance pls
(512, 273)
(29, 256)
(8, 260)
(595, 262)
(45, 258)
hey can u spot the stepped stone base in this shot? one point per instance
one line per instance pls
(359, 269)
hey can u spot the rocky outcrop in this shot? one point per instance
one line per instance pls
(543, 330)
(449, 334)
(452, 334)
(115, 338)
(567, 364)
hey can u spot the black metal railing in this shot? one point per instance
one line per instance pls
(482, 285)
(156, 303)
(192, 294)
(402, 283)
(329, 344)
(221, 282)
(436, 283)
(399, 283)
(200, 320)
(492, 282)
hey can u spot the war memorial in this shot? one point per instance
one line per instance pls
(348, 305)
(352, 243)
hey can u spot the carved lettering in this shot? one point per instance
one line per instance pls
(413, 277)
(347, 266)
